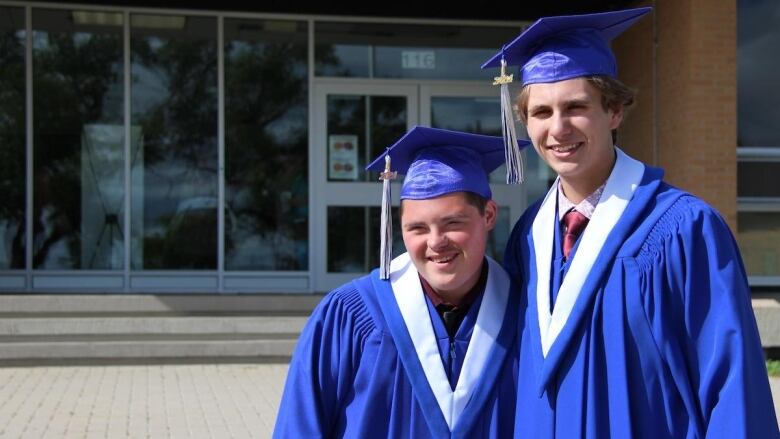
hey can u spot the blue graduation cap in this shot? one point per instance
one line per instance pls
(565, 47)
(554, 49)
(436, 162)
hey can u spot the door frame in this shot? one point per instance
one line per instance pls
(325, 193)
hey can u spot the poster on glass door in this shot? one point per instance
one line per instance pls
(342, 157)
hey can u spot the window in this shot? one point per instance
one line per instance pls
(758, 139)
(78, 125)
(266, 145)
(174, 163)
(12, 138)
(377, 50)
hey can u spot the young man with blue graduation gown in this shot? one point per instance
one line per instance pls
(636, 313)
(426, 349)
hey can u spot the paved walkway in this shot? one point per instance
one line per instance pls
(160, 401)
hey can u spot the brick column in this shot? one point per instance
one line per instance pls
(685, 120)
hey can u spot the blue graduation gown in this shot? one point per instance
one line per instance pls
(355, 372)
(661, 341)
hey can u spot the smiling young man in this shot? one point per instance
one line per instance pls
(636, 318)
(429, 351)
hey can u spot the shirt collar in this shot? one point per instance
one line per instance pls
(585, 207)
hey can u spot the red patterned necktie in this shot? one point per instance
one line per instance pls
(574, 223)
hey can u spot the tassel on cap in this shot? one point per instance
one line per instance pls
(386, 226)
(514, 160)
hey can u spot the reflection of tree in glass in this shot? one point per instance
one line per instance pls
(12, 149)
(182, 124)
(180, 149)
(329, 63)
(72, 76)
(266, 150)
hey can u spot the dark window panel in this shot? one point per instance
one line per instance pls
(12, 138)
(347, 129)
(175, 158)
(78, 200)
(758, 38)
(758, 179)
(266, 145)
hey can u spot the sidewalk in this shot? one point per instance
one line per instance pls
(159, 401)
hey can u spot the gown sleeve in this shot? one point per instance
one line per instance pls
(704, 324)
(323, 365)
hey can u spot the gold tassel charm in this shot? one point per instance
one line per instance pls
(504, 79)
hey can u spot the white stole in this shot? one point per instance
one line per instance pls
(620, 187)
(414, 310)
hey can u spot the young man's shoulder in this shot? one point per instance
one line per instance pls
(352, 305)
(664, 204)
(677, 218)
(679, 208)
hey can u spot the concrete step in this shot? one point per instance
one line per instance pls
(87, 329)
(22, 326)
(287, 304)
(258, 349)
(46, 329)
(59, 340)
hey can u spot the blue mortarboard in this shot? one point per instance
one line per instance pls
(436, 162)
(554, 49)
(565, 47)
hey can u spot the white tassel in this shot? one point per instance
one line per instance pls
(514, 159)
(386, 240)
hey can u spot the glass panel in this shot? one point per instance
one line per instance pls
(349, 148)
(353, 238)
(341, 59)
(406, 51)
(759, 242)
(12, 138)
(266, 145)
(78, 207)
(479, 115)
(758, 179)
(482, 115)
(174, 163)
(473, 115)
(758, 38)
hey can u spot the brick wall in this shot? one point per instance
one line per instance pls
(685, 120)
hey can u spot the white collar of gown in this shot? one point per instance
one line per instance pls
(414, 309)
(621, 184)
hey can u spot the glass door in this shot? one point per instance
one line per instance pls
(353, 123)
